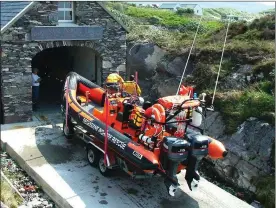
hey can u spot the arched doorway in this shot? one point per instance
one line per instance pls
(55, 63)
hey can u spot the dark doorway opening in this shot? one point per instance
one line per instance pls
(55, 63)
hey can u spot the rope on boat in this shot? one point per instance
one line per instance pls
(189, 55)
(66, 100)
(106, 129)
(136, 83)
(212, 106)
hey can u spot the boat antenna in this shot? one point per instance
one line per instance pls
(212, 104)
(189, 55)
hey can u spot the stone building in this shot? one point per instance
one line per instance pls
(55, 37)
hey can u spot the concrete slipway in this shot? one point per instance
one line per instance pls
(60, 167)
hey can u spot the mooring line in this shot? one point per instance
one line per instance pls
(189, 55)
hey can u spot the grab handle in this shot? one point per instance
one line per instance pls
(87, 93)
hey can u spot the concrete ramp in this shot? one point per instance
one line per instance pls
(60, 167)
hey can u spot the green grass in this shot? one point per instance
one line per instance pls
(165, 18)
(138, 18)
(171, 40)
(237, 106)
(266, 191)
(175, 41)
(217, 12)
(244, 40)
(9, 198)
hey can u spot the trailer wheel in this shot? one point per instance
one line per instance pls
(69, 130)
(104, 170)
(92, 155)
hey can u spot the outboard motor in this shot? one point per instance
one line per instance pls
(173, 152)
(198, 150)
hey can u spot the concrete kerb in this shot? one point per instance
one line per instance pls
(50, 191)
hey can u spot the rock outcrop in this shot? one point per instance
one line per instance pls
(250, 150)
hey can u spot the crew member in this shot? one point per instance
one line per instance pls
(131, 87)
(114, 83)
(35, 88)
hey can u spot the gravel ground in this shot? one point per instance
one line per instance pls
(33, 195)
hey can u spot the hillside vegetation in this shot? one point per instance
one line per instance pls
(218, 12)
(175, 33)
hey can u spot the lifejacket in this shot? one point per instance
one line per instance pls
(158, 112)
(136, 117)
(131, 88)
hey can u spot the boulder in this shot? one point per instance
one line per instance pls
(239, 79)
(143, 58)
(249, 150)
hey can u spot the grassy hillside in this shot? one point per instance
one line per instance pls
(269, 11)
(158, 17)
(218, 12)
(175, 33)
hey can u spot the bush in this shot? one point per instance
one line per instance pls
(154, 20)
(266, 67)
(237, 28)
(181, 11)
(265, 86)
(121, 7)
(264, 22)
(250, 35)
(237, 106)
(192, 26)
(268, 34)
(266, 190)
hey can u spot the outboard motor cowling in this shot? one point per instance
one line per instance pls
(199, 145)
(198, 150)
(173, 152)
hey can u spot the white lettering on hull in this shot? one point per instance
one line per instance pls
(113, 139)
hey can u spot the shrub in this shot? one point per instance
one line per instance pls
(237, 28)
(268, 34)
(192, 26)
(121, 7)
(266, 190)
(250, 35)
(237, 106)
(265, 67)
(154, 20)
(264, 22)
(265, 86)
(181, 11)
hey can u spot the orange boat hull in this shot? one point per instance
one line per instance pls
(216, 149)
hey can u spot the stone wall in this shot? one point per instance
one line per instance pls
(18, 51)
(113, 45)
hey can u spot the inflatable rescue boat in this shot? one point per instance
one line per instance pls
(144, 139)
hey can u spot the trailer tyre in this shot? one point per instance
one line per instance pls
(93, 156)
(104, 170)
(69, 130)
